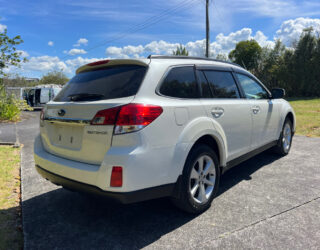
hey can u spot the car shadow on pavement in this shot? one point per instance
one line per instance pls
(64, 219)
(244, 170)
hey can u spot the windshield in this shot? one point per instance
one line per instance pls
(106, 83)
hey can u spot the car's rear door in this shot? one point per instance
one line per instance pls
(222, 100)
(66, 130)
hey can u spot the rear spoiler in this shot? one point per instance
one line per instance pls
(112, 62)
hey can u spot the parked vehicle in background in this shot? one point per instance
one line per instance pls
(137, 129)
(35, 96)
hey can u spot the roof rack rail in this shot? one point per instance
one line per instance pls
(191, 57)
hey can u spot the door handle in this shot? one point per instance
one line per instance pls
(255, 109)
(217, 112)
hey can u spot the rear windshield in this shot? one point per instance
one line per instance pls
(106, 83)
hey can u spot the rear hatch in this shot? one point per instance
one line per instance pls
(66, 130)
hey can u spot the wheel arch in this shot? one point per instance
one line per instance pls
(286, 111)
(212, 142)
(290, 116)
(201, 130)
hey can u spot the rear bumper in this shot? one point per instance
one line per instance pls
(123, 197)
(143, 167)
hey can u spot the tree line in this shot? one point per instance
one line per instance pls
(52, 77)
(296, 69)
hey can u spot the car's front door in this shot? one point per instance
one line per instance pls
(221, 98)
(264, 111)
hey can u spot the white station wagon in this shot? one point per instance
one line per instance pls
(138, 129)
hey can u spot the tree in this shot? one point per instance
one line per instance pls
(296, 69)
(316, 69)
(54, 77)
(221, 57)
(10, 107)
(181, 51)
(303, 66)
(269, 64)
(247, 54)
(9, 56)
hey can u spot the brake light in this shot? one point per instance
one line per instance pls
(128, 118)
(98, 63)
(138, 114)
(116, 177)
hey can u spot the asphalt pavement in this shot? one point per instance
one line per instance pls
(266, 202)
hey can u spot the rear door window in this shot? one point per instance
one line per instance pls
(222, 84)
(180, 82)
(101, 84)
(206, 91)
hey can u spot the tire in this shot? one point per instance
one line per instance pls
(198, 188)
(285, 140)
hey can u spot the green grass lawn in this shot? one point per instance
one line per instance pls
(10, 211)
(307, 115)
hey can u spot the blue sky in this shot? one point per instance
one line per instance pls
(51, 29)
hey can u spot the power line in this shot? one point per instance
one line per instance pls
(219, 15)
(143, 25)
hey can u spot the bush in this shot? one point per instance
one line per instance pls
(10, 107)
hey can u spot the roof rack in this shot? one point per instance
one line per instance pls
(191, 57)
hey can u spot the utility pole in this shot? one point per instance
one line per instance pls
(207, 29)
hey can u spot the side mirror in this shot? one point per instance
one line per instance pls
(277, 93)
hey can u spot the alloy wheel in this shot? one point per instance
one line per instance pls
(286, 138)
(202, 179)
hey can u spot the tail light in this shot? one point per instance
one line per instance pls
(127, 118)
(116, 177)
(105, 117)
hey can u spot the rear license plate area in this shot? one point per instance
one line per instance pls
(67, 136)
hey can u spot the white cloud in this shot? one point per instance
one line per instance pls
(73, 52)
(160, 47)
(81, 41)
(263, 40)
(75, 63)
(291, 30)
(275, 8)
(44, 64)
(50, 43)
(196, 48)
(272, 9)
(23, 53)
(223, 44)
(125, 52)
(113, 51)
(133, 49)
(2, 27)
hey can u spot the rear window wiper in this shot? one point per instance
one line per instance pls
(85, 97)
